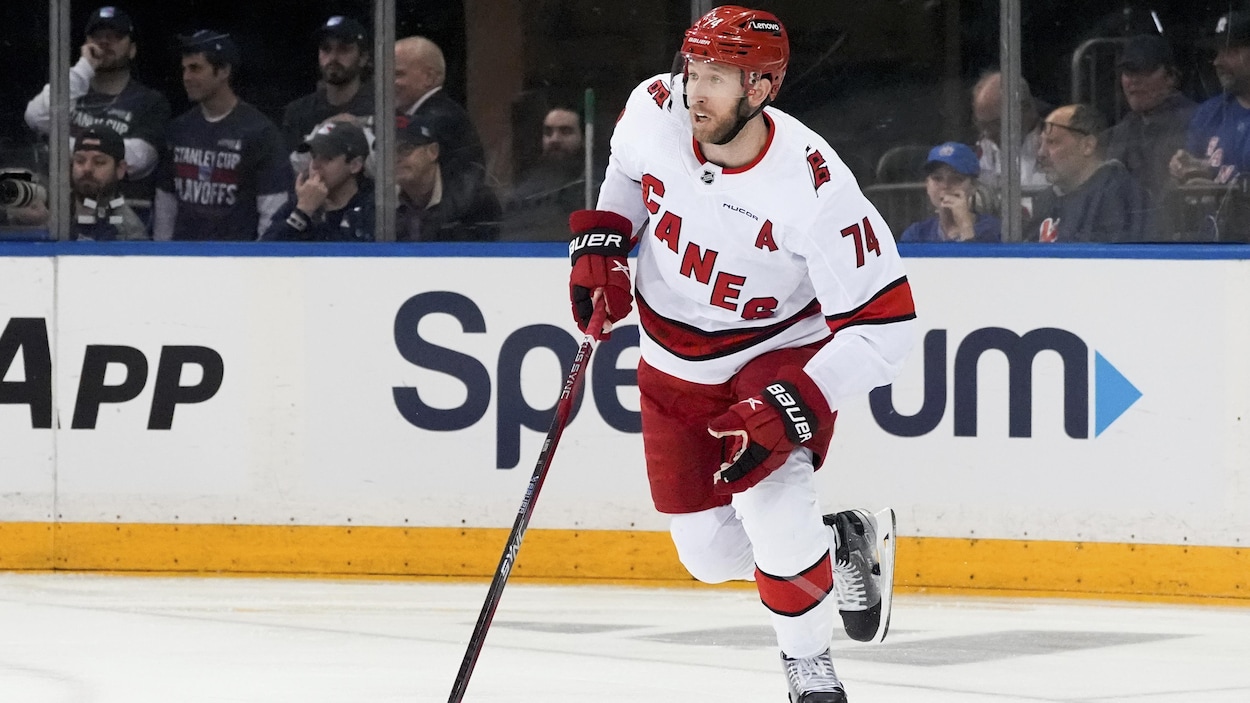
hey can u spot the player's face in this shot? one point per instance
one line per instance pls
(715, 93)
(335, 170)
(562, 135)
(341, 62)
(1146, 90)
(94, 173)
(200, 79)
(116, 49)
(943, 180)
(1232, 67)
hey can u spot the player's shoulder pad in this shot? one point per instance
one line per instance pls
(809, 157)
(654, 93)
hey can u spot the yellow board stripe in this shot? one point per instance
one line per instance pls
(1136, 571)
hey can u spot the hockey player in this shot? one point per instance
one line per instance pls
(770, 292)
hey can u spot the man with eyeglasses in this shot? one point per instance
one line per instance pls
(1091, 199)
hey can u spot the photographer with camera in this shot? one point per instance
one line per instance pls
(103, 92)
(23, 202)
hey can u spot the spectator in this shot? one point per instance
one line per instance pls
(432, 206)
(344, 57)
(104, 93)
(226, 174)
(419, 74)
(987, 96)
(951, 181)
(1217, 145)
(552, 189)
(333, 201)
(100, 211)
(1091, 199)
(1154, 129)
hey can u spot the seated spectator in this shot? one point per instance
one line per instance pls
(104, 93)
(434, 206)
(951, 181)
(1217, 144)
(227, 173)
(987, 96)
(344, 57)
(333, 202)
(100, 211)
(1145, 139)
(420, 70)
(546, 194)
(1091, 199)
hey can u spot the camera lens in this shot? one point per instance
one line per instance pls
(15, 193)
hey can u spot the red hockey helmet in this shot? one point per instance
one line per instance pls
(752, 40)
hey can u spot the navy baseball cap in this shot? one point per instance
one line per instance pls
(345, 29)
(416, 130)
(212, 44)
(334, 138)
(102, 139)
(958, 156)
(112, 18)
(1231, 30)
(1145, 53)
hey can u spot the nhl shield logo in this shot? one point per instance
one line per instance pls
(707, 177)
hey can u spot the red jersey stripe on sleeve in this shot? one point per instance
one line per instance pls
(693, 344)
(891, 304)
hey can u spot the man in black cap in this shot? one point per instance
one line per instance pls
(344, 57)
(333, 202)
(226, 173)
(99, 165)
(103, 93)
(1145, 139)
(434, 205)
(1217, 148)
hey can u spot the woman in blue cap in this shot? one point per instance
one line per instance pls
(951, 180)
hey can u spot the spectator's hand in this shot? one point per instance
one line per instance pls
(33, 215)
(310, 193)
(956, 207)
(92, 53)
(1186, 167)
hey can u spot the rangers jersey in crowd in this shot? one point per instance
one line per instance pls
(227, 178)
(735, 262)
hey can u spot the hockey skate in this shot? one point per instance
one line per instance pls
(863, 568)
(813, 680)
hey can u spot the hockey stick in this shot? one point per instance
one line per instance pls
(563, 408)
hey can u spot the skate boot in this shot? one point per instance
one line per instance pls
(863, 568)
(813, 680)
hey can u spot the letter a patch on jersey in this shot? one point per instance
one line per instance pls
(764, 240)
(820, 171)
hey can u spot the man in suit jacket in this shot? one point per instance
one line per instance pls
(419, 74)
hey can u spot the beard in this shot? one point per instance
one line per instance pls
(88, 188)
(338, 74)
(716, 129)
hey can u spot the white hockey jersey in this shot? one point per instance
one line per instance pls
(733, 263)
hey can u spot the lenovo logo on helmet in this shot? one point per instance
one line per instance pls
(764, 26)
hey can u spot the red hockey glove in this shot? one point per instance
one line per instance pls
(759, 432)
(598, 251)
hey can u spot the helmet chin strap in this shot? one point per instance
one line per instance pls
(740, 123)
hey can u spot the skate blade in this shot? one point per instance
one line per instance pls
(886, 543)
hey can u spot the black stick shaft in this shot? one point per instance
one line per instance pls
(563, 408)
